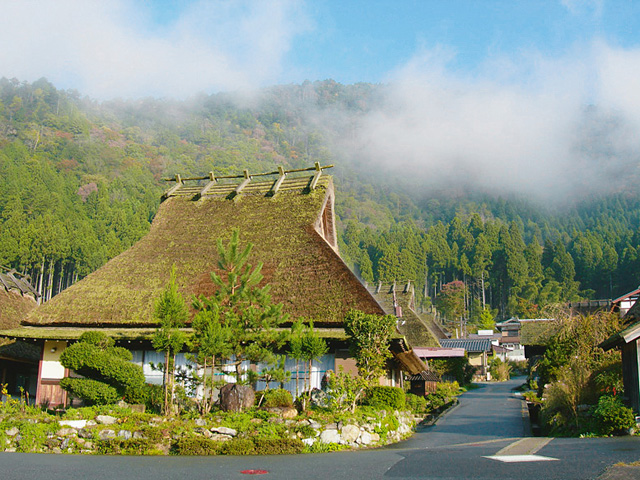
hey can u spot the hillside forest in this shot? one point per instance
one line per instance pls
(81, 180)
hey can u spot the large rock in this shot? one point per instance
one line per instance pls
(350, 433)
(12, 432)
(225, 431)
(106, 419)
(236, 398)
(365, 438)
(73, 423)
(107, 435)
(330, 436)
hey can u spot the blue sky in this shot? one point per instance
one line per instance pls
(490, 92)
(136, 48)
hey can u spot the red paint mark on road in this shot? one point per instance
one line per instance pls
(254, 472)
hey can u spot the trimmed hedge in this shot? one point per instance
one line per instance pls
(92, 391)
(238, 446)
(386, 397)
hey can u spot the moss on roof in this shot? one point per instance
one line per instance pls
(418, 332)
(14, 307)
(537, 331)
(304, 271)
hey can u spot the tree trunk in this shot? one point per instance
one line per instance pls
(41, 279)
(213, 376)
(50, 280)
(166, 382)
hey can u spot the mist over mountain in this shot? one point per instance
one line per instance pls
(426, 175)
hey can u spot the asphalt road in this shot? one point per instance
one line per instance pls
(463, 444)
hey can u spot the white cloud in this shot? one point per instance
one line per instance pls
(107, 49)
(521, 125)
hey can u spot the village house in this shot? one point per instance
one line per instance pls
(628, 341)
(288, 217)
(18, 360)
(478, 351)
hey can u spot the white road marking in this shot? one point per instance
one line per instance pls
(521, 458)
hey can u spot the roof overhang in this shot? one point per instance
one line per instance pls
(621, 338)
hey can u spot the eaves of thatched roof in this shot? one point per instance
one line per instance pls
(293, 233)
(17, 299)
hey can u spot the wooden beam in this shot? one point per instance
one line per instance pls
(245, 182)
(207, 187)
(281, 178)
(316, 177)
(178, 184)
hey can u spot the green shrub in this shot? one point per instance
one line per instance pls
(277, 398)
(416, 403)
(132, 446)
(386, 397)
(238, 446)
(196, 446)
(500, 371)
(92, 391)
(612, 416)
(279, 446)
(95, 358)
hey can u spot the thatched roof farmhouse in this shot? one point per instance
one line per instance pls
(288, 216)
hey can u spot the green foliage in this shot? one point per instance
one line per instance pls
(369, 337)
(386, 397)
(416, 403)
(278, 397)
(612, 416)
(500, 371)
(345, 390)
(92, 391)
(132, 446)
(244, 310)
(109, 374)
(196, 446)
(172, 313)
(458, 368)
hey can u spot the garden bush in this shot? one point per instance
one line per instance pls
(416, 404)
(386, 397)
(132, 446)
(196, 446)
(279, 446)
(612, 416)
(277, 397)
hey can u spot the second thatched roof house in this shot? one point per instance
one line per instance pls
(289, 219)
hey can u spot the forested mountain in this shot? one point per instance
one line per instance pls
(81, 180)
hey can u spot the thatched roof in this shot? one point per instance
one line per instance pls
(537, 331)
(13, 308)
(293, 233)
(418, 331)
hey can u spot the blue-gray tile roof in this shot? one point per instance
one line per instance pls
(473, 345)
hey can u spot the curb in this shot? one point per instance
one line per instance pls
(431, 420)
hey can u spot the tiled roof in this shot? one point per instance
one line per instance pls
(473, 345)
(439, 352)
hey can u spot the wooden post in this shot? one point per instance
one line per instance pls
(281, 178)
(178, 184)
(316, 177)
(245, 182)
(207, 187)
